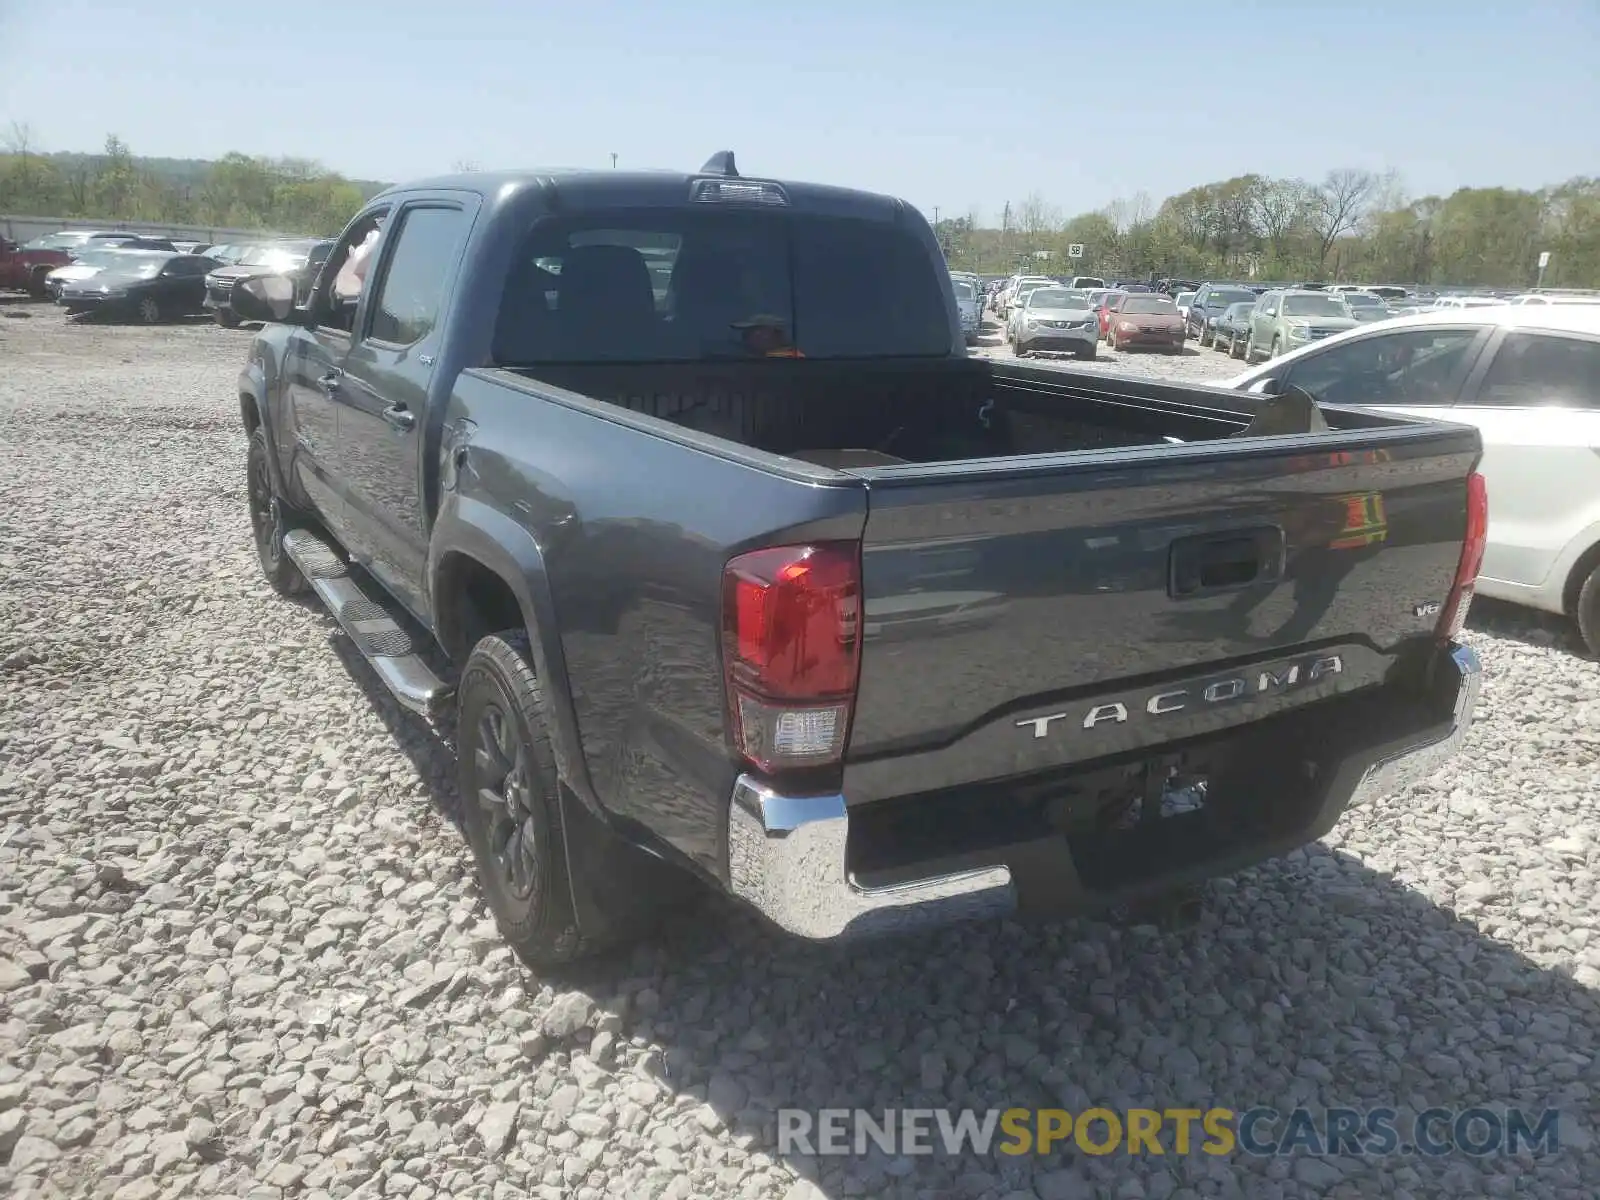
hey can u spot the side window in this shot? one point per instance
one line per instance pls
(427, 244)
(1269, 307)
(1542, 370)
(1408, 368)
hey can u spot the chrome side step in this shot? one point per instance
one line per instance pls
(383, 641)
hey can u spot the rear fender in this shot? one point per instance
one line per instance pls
(471, 527)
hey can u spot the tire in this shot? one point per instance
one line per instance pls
(1089, 353)
(226, 317)
(1587, 612)
(266, 521)
(1250, 346)
(36, 284)
(1235, 346)
(1277, 346)
(511, 808)
(148, 310)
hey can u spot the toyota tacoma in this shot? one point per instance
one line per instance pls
(722, 579)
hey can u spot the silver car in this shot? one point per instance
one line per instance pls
(1366, 307)
(1057, 320)
(969, 304)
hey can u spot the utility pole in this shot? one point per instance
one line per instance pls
(613, 160)
(936, 216)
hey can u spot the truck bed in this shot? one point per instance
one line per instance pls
(1066, 546)
(912, 411)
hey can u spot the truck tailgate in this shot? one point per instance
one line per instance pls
(1024, 615)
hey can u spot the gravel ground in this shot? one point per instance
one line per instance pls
(242, 954)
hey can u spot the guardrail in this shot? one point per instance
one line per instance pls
(25, 228)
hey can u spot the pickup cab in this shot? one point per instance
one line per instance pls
(722, 579)
(24, 269)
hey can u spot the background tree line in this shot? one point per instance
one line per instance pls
(284, 195)
(1353, 226)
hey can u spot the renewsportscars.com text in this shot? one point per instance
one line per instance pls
(1256, 1131)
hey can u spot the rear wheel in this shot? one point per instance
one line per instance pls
(226, 317)
(37, 288)
(512, 808)
(1588, 612)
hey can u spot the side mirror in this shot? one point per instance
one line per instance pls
(265, 298)
(1270, 386)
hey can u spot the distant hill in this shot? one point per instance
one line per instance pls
(181, 172)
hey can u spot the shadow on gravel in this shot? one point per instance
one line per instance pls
(1529, 626)
(1334, 982)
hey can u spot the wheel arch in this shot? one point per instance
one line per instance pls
(483, 568)
(1585, 565)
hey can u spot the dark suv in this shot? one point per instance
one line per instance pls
(297, 258)
(1210, 301)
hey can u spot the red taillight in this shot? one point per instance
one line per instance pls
(791, 649)
(1454, 615)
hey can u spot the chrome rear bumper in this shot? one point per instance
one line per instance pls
(787, 854)
(1400, 769)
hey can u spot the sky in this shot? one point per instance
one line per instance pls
(958, 107)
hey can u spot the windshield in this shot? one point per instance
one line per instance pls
(1185, 297)
(1358, 300)
(1222, 299)
(963, 289)
(1059, 298)
(136, 266)
(104, 258)
(57, 241)
(1148, 305)
(1314, 306)
(738, 284)
(279, 258)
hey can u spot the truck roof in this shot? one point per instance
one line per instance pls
(648, 188)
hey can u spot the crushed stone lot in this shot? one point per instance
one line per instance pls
(242, 953)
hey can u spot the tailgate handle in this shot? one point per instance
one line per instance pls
(1225, 562)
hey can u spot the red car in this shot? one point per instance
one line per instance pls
(1148, 320)
(1103, 304)
(23, 270)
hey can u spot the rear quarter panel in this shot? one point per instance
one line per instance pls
(634, 521)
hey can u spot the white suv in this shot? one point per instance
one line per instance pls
(1528, 376)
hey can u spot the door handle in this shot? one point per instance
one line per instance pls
(398, 416)
(330, 381)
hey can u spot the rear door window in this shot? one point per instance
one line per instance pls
(1542, 370)
(1406, 368)
(673, 286)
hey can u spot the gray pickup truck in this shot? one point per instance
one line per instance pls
(727, 579)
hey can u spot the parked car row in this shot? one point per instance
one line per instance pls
(150, 278)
